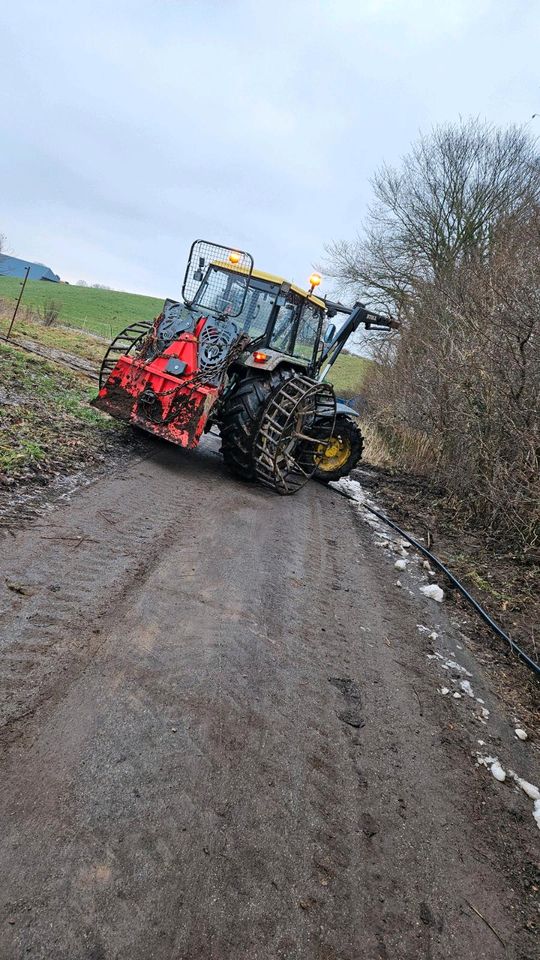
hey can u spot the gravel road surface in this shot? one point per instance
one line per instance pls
(222, 738)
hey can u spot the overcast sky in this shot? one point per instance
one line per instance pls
(130, 127)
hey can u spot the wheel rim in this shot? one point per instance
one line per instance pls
(333, 455)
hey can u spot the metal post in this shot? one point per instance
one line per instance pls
(18, 302)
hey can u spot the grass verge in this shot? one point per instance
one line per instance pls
(46, 424)
(68, 339)
(504, 582)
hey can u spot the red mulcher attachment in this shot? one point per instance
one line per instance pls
(170, 383)
(162, 394)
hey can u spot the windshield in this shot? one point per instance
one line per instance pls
(222, 292)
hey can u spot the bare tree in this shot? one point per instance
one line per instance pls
(438, 209)
(452, 242)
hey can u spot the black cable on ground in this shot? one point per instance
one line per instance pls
(535, 667)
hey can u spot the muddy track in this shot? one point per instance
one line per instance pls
(77, 364)
(222, 738)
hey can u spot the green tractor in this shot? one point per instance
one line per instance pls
(246, 352)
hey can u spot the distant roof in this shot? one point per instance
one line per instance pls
(14, 267)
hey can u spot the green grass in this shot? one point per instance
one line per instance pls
(348, 373)
(104, 312)
(45, 417)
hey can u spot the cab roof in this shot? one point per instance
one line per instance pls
(271, 278)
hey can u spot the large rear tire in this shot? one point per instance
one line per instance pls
(241, 415)
(343, 451)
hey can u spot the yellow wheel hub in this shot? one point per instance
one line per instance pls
(334, 454)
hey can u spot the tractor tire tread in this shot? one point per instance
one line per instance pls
(241, 416)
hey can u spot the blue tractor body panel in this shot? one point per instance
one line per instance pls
(344, 408)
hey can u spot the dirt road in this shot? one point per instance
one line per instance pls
(223, 738)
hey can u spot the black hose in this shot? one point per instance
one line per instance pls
(535, 667)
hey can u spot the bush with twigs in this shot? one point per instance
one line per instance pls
(452, 245)
(49, 313)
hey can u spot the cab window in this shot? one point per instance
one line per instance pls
(285, 324)
(257, 309)
(307, 334)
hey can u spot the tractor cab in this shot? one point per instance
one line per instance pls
(272, 312)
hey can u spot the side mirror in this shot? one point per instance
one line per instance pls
(329, 333)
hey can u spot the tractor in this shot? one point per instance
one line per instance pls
(245, 352)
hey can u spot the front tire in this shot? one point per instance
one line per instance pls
(342, 452)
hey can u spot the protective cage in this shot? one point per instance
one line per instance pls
(217, 278)
(295, 428)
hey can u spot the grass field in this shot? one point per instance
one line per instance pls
(348, 373)
(85, 310)
(104, 312)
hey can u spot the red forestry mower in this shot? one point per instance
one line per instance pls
(245, 352)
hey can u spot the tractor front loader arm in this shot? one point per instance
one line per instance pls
(357, 315)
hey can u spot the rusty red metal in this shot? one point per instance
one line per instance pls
(142, 392)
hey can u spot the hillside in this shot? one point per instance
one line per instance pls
(348, 373)
(104, 312)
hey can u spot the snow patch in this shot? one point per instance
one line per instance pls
(485, 761)
(498, 771)
(457, 696)
(493, 765)
(400, 564)
(444, 690)
(448, 664)
(466, 687)
(433, 591)
(349, 487)
(532, 792)
(528, 788)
